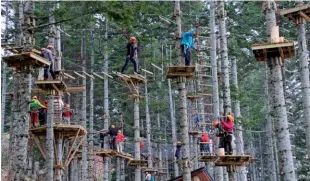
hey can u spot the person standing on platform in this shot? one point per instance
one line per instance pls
(119, 140)
(197, 120)
(187, 43)
(132, 47)
(47, 54)
(228, 127)
(113, 133)
(67, 114)
(34, 113)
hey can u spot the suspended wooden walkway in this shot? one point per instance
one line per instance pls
(25, 59)
(48, 85)
(227, 160)
(298, 15)
(137, 163)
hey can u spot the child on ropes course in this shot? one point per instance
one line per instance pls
(197, 120)
(67, 114)
(119, 139)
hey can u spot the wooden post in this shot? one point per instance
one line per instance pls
(137, 135)
(50, 137)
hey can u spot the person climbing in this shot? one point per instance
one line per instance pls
(34, 113)
(187, 43)
(112, 132)
(47, 54)
(197, 120)
(219, 133)
(119, 140)
(131, 48)
(205, 142)
(148, 176)
(228, 127)
(67, 114)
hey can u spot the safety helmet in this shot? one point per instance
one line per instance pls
(34, 97)
(230, 118)
(112, 126)
(132, 39)
(49, 46)
(215, 123)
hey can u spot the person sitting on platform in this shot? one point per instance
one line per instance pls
(205, 142)
(197, 120)
(228, 127)
(112, 132)
(187, 44)
(49, 56)
(67, 114)
(119, 140)
(131, 49)
(34, 113)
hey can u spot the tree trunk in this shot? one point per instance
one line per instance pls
(238, 133)
(287, 170)
(160, 164)
(148, 128)
(90, 155)
(52, 30)
(271, 166)
(178, 31)
(22, 93)
(83, 116)
(215, 93)
(106, 103)
(137, 136)
(118, 169)
(305, 83)
(50, 139)
(184, 129)
(173, 127)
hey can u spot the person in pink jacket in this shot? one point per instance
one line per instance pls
(228, 127)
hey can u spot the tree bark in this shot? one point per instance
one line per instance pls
(305, 83)
(178, 31)
(83, 117)
(184, 129)
(160, 160)
(215, 93)
(106, 103)
(271, 166)
(238, 133)
(50, 138)
(148, 128)
(137, 136)
(286, 165)
(90, 155)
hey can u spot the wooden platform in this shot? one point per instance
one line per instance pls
(294, 14)
(141, 163)
(104, 152)
(206, 124)
(26, 59)
(45, 85)
(194, 132)
(68, 89)
(181, 71)
(265, 50)
(207, 157)
(150, 170)
(228, 160)
(69, 131)
(124, 155)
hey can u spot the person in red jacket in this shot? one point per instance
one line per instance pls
(228, 127)
(141, 145)
(205, 142)
(67, 114)
(119, 140)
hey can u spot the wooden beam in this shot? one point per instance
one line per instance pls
(75, 151)
(79, 75)
(70, 149)
(37, 141)
(306, 17)
(88, 75)
(99, 76)
(156, 67)
(146, 71)
(106, 74)
(71, 77)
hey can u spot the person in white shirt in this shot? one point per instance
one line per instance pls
(148, 176)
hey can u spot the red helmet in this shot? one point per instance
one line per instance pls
(132, 39)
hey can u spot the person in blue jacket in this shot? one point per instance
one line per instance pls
(187, 43)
